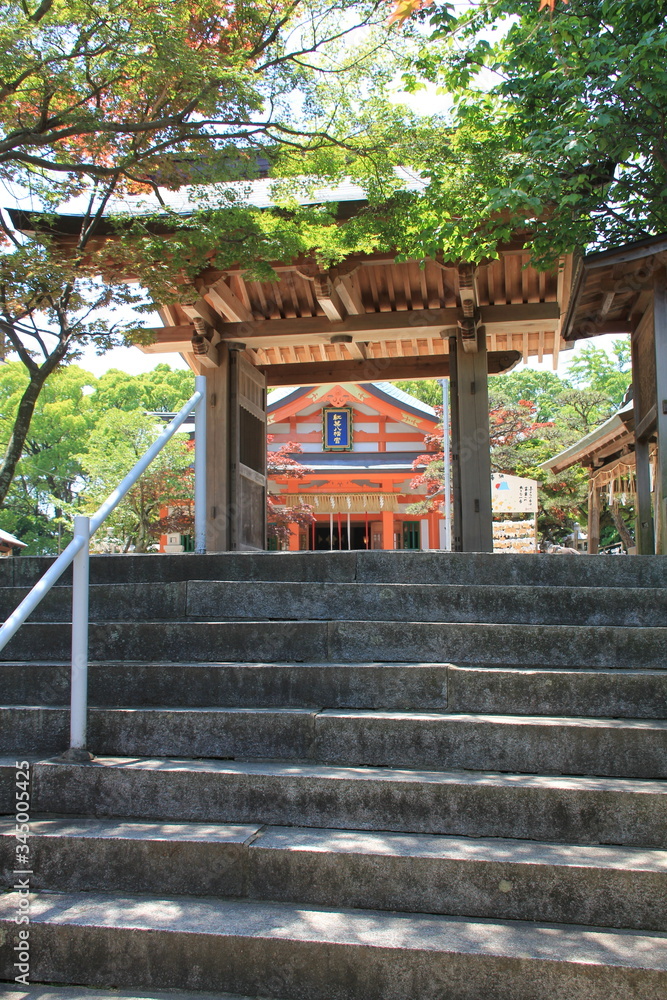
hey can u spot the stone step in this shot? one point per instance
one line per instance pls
(37, 992)
(260, 600)
(525, 744)
(426, 602)
(618, 693)
(313, 952)
(496, 569)
(627, 748)
(494, 878)
(352, 642)
(263, 685)
(580, 810)
(629, 694)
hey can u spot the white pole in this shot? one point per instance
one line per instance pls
(446, 460)
(79, 694)
(349, 533)
(331, 530)
(200, 465)
(30, 602)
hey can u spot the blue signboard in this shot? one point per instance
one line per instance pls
(337, 428)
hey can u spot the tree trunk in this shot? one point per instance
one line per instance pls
(20, 430)
(621, 527)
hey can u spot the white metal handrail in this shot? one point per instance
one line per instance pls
(78, 553)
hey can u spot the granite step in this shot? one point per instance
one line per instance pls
(314, 952)
(378, 566)
(261, 685)
(485, 877)
(626, 748)
(44, 992)
(425, 602)
(582, 810)
(502, 690)
(352, 642)
(527, 690)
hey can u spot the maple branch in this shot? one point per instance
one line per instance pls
(7, 326)
(41, 11)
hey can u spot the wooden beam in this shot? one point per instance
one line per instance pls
(594, 328)
(647, 424)
(328, 298)
(349, 295)
(359, 351)
(170, 339)
(621, 461)
(223, 299)
(205, 352)
(403, 325)
(608, 294)
(202, 310)
(468, 296)
(387, 369)
(527, 317)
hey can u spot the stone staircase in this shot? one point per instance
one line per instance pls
(345, 776)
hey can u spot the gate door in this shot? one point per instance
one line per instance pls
(247, 420)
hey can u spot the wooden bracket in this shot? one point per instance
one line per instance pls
(468, 295)
(203, 346)
(328, 298)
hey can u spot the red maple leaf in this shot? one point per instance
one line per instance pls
(403, 9)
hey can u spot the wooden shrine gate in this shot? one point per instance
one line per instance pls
(370, 319)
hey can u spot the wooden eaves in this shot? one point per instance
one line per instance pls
(371, 318)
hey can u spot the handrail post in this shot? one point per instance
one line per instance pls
(80, 600)
(200, 465)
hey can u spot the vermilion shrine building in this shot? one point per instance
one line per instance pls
(360, 466)
(358, 446)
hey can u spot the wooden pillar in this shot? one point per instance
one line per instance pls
(217, 455)
(457, 544)
(294, 538)
(644, 538)
(387, 529)
(643, 398)
(593, 517)
(473, 522)
(660, 341)
(247, 452)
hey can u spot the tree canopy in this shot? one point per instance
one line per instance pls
(117, 441)
(557, 126)
(148, 93)
(102, 101)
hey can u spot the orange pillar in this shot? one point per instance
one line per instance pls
(434, 531)
(387, 529)
(294, 538)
